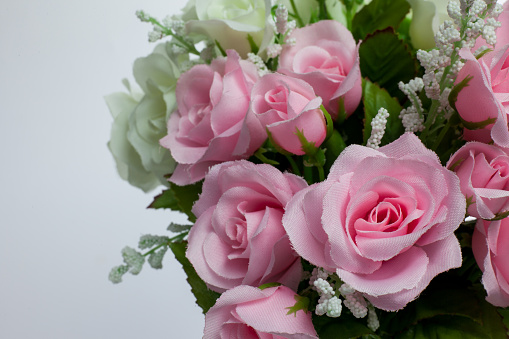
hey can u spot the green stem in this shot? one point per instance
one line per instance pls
(180, 39)
(296, 14)
(295, 168)
(442, 134)
(321, 174)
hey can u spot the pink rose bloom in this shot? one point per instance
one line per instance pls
(285, 105)
(325, 56)
(490, 243)
(247, 312)
(238, 238)
(210, 125)
(486, 98)
(383, 220)
(484, 178)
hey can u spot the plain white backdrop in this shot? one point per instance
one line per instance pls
(65, 214)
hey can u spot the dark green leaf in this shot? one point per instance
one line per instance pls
(178, 198)
(378, 15)
(447, 327)
(374, 98)
(344, 327)
(386, 60)
(205, 298)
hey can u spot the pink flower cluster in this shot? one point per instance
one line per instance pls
(225, 109)
(482, 164)
(383, 220)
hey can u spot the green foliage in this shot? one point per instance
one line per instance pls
(344, 327)
(386, 60)
(205, 298)
(450, 307)
(374, 98)
(178, 198)
(378, 15)
(301, 304)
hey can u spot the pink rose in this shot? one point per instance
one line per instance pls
(210, 125)
(285, 105)
(247, 312)
(485, 100)
(490, 243)
(239, 238)
(484, 178)
(383, 220)
(325, 56)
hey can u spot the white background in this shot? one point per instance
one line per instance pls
(65, 214)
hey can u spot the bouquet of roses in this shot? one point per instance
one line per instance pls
(343, 164)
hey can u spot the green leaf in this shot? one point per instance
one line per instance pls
(504, 312)
(344, 327)
(302, 303)
(205, 298)
(378, 15)
(387, 60)
(333, 146)
(252, 44)
(447, 327)
(374, 98)
(178, 198)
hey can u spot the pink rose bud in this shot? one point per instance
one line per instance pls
(484, 178)
(325, 55)
(490, 244)
(383, 220)
(284, 105)
(238, 238)
(484, 103)
(246, 312)
(210, 125)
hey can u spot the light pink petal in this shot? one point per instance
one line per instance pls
(344, 251)
(402, 272)
(443, 255)
(269, 315)
(297, 224)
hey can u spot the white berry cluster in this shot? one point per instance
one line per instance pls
(330, 303)
(258, 62)
(412, 116)
(282, 27)
(378, 128)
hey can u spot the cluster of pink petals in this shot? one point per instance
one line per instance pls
(284, 105)
(247, 312)
(483, 171)
(383, 220)
(325, 56)
(490, 244)
(238, 238)
(211, 124)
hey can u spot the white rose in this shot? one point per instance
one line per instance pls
(427, 16)
(140, 121)
(230, 21)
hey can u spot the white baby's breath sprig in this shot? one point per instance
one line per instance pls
(258, 62)
(373, 323)
(356, 303)
(281, 19)
(274, 50)
(168, 27)
(412, 117)
(378, 124)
